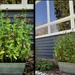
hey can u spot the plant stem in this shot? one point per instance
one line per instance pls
(2, 58)
(11, 59)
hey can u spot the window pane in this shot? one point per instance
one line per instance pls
(11, 1)
(60, 27)
(42, 31)
(40, 13)
(59, 9)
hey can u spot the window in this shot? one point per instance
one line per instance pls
(42, 31)
(58, 9)
(61, 16)
(60, 26)
(41, 13)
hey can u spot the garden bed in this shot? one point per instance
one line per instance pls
(55, 72)
(52, 69)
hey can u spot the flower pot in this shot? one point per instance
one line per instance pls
(12, 68)
(67, 67)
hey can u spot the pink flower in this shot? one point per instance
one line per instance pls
(7, 16)
(74, 44)
(29, 20)
(12, 34)
(22, 18)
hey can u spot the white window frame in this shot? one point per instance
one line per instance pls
(70, 17)
(24, 5)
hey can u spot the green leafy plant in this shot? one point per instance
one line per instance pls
(64, 49)
(45, 65)
(15, 39)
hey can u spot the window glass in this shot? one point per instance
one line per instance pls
(58, 9)
(60, 26)
(11, 1)
(42, 31)
(40, 13)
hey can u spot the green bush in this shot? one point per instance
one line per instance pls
(45, 65)
(14, 38)
(64, 49)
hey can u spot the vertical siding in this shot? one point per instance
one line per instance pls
(29, 14)
(45, 47)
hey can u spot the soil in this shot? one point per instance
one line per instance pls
(29, 68)
(56, 72)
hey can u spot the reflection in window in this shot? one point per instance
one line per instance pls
(41, 13)
(42, 31)
(53, 28)
(59, 9)
(60, 26)
(63, 26)
(11, 1)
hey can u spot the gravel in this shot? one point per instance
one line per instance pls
(54, 72)
(40, 73)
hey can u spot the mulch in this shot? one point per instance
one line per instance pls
(56, 71)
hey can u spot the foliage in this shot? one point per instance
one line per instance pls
(31, 1)
(11, 1)
(45, 65)
(65, 48)
(15, 1)
(62, 10)
(14, 40)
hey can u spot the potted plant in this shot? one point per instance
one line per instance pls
(14, 43)
(64, 52)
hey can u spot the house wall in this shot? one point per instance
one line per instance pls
(30, 15)
(44, 47)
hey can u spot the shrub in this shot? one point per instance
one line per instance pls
(45, 65)
(14, 40)
(64, 49)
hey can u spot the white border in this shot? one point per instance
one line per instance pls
(48, 16)
(56, 33)
(24, 5)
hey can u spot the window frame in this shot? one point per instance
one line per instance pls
(70, 17)
(24, 5)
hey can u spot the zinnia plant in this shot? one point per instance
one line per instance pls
(14, 38)
(64, 49)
